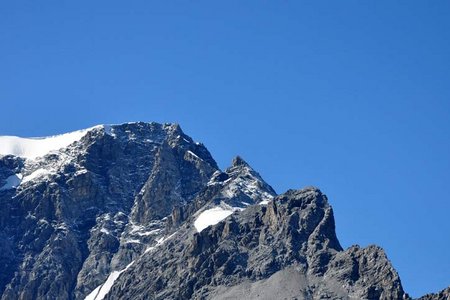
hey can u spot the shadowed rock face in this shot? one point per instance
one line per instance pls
(127, 197)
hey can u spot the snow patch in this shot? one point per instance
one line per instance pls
(61, 226)
(250, 187)
(102, 290)
(80, 172)
(12, 182)
(105, 231)
(159, 242)
(109, 130)
(42, 221)
(16, 180)
(132, 241)
(36, 174)
(211, 217)
(135, 228)
(32, 148)
(193, 155)
(151, 232)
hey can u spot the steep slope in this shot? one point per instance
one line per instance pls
(442, 295)
(73, 218)
(141, 211)
(286, 248)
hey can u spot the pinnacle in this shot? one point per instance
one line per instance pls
(239, 161)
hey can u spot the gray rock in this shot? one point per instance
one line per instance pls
(259, 252)
(63, 233)
(124, 200)
(442, 295)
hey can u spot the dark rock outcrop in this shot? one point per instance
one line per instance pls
(141, 211)
(61, 230)
(292, 236)
(442, 295)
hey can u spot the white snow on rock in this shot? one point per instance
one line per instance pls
(132, 241)
(102, 290)
(12, 182)
(36, 174)
(109, 130)
(16, 180)
(147, 233)
(193, 154)
(211, 217)
(159, 242)
(32, 148)
(104, 230)
(250, 187)
(243, 183)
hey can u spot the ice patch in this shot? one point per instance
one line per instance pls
(102, 290)
(211, 217)
(12, 182)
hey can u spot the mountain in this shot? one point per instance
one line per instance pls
(141, 211)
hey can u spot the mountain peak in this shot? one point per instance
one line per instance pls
(140, 210)
(239, 161)
(35, 147)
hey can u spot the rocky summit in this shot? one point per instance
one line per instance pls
(141, 211)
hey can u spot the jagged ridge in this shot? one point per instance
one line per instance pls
(139, 211)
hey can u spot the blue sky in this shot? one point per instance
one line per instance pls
(349, 96)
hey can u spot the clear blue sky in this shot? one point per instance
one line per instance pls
(349, 96)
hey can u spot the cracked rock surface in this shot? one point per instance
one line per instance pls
(141, 211)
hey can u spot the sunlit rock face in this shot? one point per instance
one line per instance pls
(141, 211)
(73, 214)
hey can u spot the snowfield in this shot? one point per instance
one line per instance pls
(100, 292)
(211, 217)
(32, 148)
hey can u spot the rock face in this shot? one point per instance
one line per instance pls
(286, 248)
(442, 295)
(141, 211)
(91, 207)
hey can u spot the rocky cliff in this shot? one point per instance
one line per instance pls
(141, 211)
